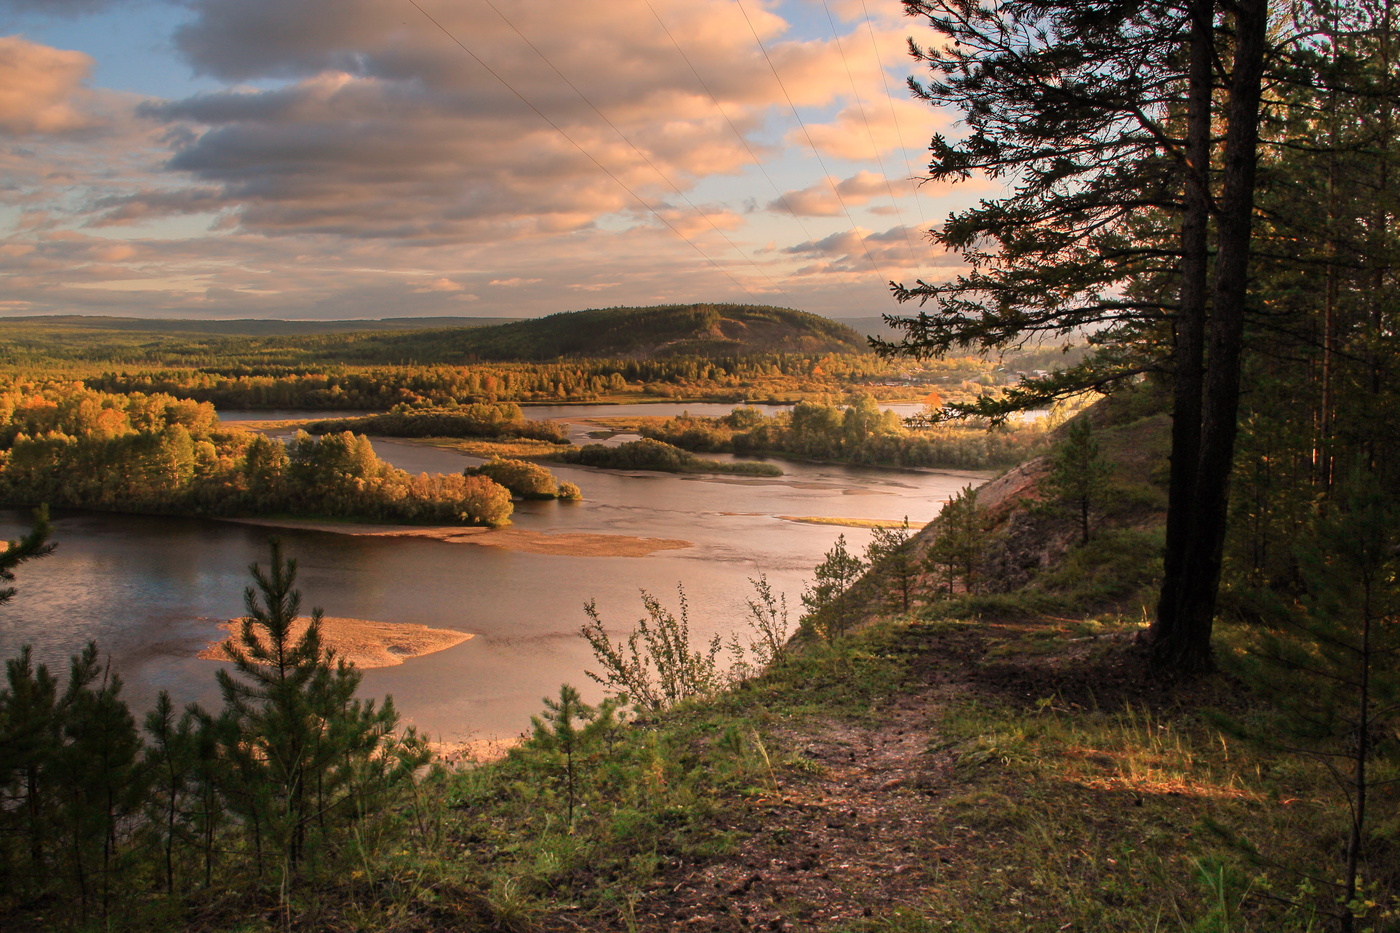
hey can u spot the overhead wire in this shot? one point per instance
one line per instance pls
(743, 141)
(560, 130)
(894, 114)
(635, 148)
(869, 132)
(810, 142)
(782, 198)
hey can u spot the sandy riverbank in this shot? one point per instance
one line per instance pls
(362, 642)
(569, 544)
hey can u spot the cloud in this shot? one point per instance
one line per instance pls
(63, 8)
(378, 124)
(897, 248)
(41, 89)
(358, 162)
(825, 199)
(441, 285)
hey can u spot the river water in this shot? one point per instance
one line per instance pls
(151, 590)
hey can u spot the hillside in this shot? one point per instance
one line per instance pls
(610, 333)
(665, 331)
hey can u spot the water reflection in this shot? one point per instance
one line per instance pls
(150, 590)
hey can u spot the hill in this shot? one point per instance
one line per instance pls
(611, 333)
(60, 324)
(665, 331)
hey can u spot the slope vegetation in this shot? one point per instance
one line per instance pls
(674, 330)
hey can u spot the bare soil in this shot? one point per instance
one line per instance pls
(862, 829)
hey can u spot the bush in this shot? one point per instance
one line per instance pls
(525, 479)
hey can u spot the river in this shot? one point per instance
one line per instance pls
(151, 590)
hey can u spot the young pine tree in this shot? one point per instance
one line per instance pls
(827, 613)
(100, 782)
(1078, 472)
(30, 737)
(957, 546)
(1330, 673)
(566, 731)
(891, 550)
(171, 759)
(303, 752)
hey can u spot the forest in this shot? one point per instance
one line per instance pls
(64, 445)
(855, 431)
(1145, 679)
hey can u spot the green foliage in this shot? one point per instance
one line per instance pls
(649, 454)
(35, 544)
(1078, 472)
(525, 479)
(306, 759)
(568, 731)
(768, 631)
(656, 666)
(1328, 673)
(957, 545)
(71, 775)
(857, 432)
(498, 420)
(891, 553)
(828, 613)
(70, 446)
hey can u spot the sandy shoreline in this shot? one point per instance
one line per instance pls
(362, 642)
(568, 544)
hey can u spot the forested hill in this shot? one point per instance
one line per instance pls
(671, 330)
(710, 330)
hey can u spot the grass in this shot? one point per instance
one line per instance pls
(1047, 786)
(486, 448)
(851, 522)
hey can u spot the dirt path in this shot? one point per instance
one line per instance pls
(859, 829)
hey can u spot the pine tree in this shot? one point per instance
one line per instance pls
(1077, 472)
(98, 777)
(1107, 226)
(35, 544)
(891, 551)
(304, 752)
(566, 730)
(30, 737)
(171, 758)
(957, 543)
(1330, 673)
(827, 612)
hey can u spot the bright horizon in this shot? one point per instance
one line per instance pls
(372, 159)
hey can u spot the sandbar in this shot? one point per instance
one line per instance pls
(362, 642)
(568, 544)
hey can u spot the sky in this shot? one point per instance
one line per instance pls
(331, 159)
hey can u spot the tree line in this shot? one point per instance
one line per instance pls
(65, 445)
(259, 383)
(855, 432)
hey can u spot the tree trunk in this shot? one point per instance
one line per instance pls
(1189, 376)
(1186, 647)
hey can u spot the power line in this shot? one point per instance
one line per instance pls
(894, 115)
(812, 145)
(782, 198)
(560, 130)
(645, 158)
(870, 133)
